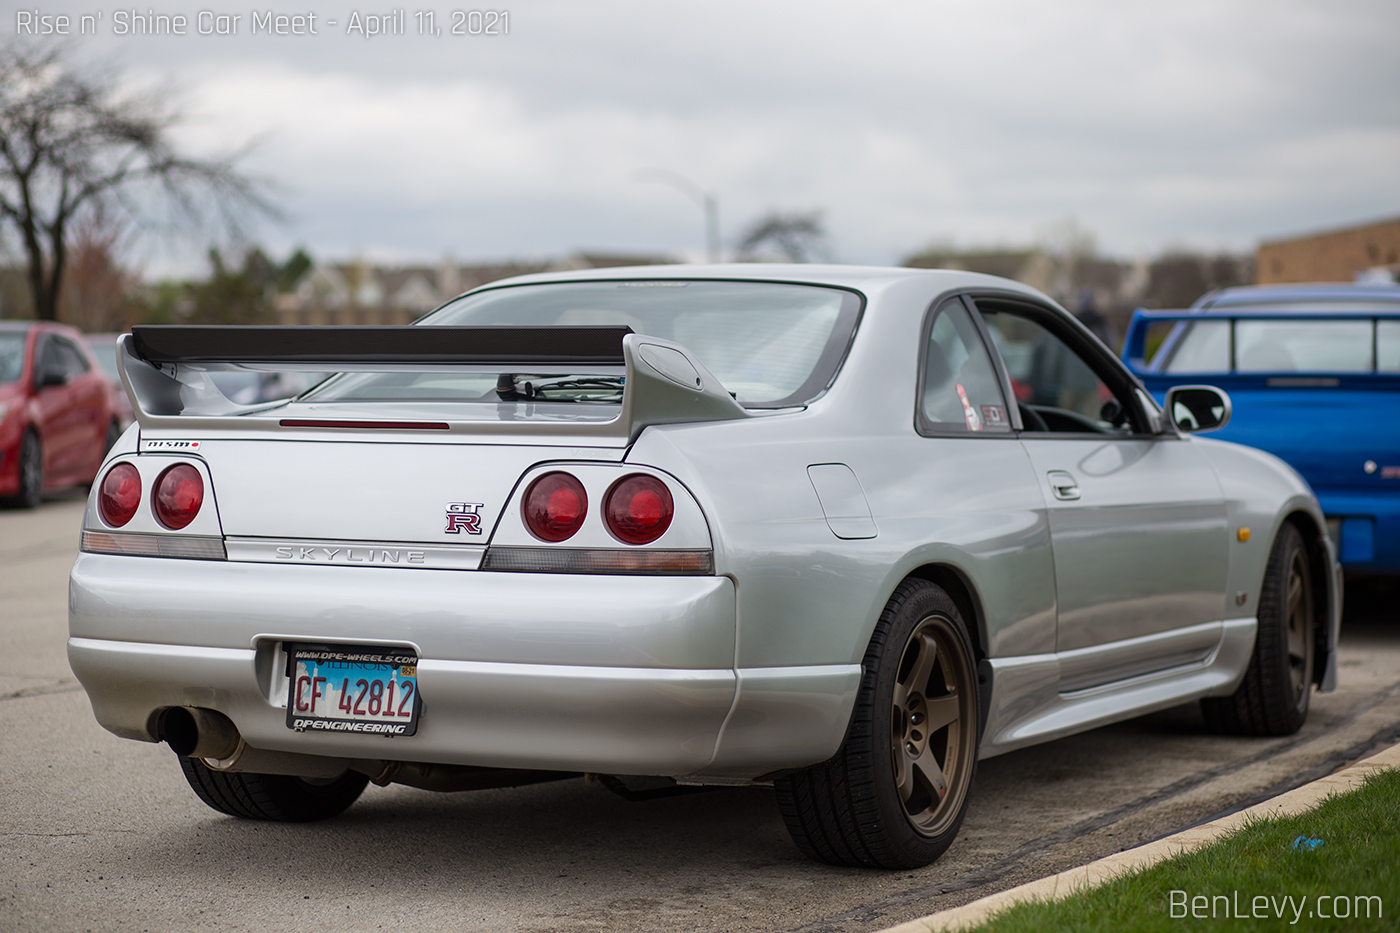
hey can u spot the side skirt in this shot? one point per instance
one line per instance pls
(1027, 705)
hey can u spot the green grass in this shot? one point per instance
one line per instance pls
(1360, 858)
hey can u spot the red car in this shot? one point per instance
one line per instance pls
(57, 411)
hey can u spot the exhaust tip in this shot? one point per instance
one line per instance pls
(192, 732)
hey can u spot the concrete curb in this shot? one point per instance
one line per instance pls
(1066, 883)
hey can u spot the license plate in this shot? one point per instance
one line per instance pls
(352, 688)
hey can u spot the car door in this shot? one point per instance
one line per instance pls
(89, 397)
(1137, 518)
(61, 430)
(976, 487)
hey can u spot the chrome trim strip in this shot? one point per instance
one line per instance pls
(401, 554)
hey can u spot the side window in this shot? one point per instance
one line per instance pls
(47, 358)
(958, 390)
(1388, 346)
(74, 363)
(1056, 390)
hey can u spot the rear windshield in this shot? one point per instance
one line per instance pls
(1286, 346)
(11, 356)
(771, 345)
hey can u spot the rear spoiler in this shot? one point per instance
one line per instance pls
(1135, 341)
(166, 370)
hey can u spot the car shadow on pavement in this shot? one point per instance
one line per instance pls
(549, 851)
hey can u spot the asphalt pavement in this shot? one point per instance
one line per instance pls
(100, 833)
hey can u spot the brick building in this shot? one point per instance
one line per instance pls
(1332, 256)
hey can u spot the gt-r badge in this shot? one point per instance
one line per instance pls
(462, 516)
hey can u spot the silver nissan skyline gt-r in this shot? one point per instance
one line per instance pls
(839, 530)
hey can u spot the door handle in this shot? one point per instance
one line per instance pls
(1063, 485)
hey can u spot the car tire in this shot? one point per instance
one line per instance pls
(277, 797)
(1274, 695)
(895, 793)
(31, 473)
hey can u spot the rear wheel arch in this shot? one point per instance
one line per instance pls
(969, 603)
(964, 594)
(894, 794)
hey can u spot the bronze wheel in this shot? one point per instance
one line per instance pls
(895, 793)
(1299, 615)
(930, 742)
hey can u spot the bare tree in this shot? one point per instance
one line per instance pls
(96, 289)
(798, 236)
(70, 144)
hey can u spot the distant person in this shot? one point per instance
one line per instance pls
(1086, 310)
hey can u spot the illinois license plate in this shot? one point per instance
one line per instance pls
(352, 688)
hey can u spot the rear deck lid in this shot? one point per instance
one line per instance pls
(347, 490)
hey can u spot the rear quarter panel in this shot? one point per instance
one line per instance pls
(807, 597)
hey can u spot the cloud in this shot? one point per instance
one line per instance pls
(905, 121)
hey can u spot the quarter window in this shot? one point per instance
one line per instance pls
(959, 390)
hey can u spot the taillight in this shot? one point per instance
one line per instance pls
(555, 506)
(179, 492)
(638, 509)
(119, 495)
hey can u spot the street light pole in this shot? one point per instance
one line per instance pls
(707, 200)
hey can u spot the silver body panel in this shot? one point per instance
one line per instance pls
(1122, 601)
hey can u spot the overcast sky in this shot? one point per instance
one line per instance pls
(971, 122)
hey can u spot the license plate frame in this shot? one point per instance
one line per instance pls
(352, 689)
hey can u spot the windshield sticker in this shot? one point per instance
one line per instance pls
(974, 423)
(993, 415)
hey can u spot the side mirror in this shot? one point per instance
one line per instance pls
(1198, 408)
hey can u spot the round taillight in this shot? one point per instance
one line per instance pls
(638, 509)
(554, 507)
(178, 495)
(119, 495)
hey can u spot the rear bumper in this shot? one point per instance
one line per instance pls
(621, 675)
(542, 716)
